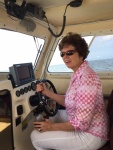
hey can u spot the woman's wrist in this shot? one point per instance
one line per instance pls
(64, 126)
(47, 92)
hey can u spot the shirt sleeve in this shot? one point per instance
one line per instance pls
(86, 97)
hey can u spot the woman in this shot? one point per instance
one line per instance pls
(86, 126)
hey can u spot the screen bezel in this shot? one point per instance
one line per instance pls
(16, 77)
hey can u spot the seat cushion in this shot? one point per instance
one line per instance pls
(109, 145)
(106, 147)
(111, 137)
(110, 114)
(110, 105)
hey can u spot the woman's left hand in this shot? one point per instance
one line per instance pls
(43, 126)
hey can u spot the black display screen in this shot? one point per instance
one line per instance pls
(23, 72)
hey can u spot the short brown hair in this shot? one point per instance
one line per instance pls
(77, 41)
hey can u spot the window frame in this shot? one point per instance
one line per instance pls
(104, 74)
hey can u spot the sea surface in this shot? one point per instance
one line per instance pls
(105, 65)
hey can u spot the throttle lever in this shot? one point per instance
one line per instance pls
(39, 95)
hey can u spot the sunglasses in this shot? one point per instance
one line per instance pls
(68, 53)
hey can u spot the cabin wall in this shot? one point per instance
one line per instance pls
(61, 81)
(94, 28)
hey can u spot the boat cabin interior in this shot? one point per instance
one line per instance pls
(30, 32)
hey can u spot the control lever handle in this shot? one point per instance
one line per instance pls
(39, 94)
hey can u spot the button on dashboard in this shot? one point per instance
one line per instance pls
(22, 91)
(17, 93)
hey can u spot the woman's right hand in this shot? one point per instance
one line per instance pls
(41, 87)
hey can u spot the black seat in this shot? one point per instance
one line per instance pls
(109, 144)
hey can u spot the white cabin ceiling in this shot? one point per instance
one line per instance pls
(89, 11)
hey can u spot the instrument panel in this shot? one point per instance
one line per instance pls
(27, 88)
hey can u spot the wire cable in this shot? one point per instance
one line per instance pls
(63, 26)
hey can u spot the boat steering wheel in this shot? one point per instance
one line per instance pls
(49, 106)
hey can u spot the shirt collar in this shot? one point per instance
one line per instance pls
(80, 70)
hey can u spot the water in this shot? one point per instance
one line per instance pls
(105, 65)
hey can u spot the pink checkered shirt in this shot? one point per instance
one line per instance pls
(84, 102)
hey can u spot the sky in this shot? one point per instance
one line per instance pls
(16, 48)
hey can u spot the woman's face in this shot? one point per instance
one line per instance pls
(72, 61)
